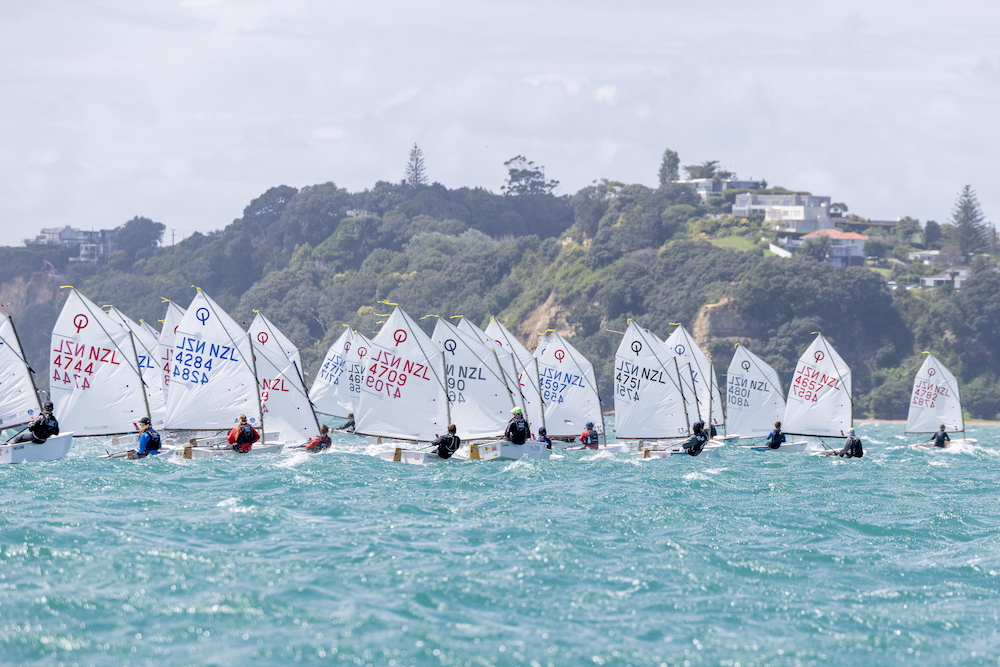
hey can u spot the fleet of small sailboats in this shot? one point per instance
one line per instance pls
(202, 370)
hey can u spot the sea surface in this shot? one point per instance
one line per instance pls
(596, 559)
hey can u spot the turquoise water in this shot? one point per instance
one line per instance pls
(597, 559)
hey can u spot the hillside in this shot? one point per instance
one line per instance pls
(317, 258)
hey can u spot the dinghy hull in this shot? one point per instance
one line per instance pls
(52, 449)
(712, 449)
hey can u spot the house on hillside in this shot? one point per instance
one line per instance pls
(714, 187)
(953, 277)
(925, 256)
(846, 248)
(94, 244)
(786, 212)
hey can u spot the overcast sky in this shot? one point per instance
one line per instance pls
(185, 111)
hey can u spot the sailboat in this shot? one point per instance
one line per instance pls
(213, 379)
(935, 401)
(285, 404)
(820, 402)
(523, 373)
(19, 404)
(337, 386)
(403, 393)
(755, 400)
(96, 383)
(650, 401)
(700, 381)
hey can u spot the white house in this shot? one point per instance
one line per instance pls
(711, 187)
(94, 244)
(954, 277)
(846, 248)
(925, 256)
(786, 212)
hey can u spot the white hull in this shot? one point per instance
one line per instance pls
(511, 452)
(52, 449)
(731, 437)
(712, 449)
(400, 455)
(954, 443)
(796, 447)
(200, 452)
(613, 448)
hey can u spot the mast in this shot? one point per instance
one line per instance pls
(538, 375)
(687, 419)
(260, 405)
(510, 394)
(697, 401)
(447, 394)
(711, 367)
(142, 384)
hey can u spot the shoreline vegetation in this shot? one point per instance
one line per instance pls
(318, 258)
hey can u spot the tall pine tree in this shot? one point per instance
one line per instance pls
(668, 166)
(970, 223)
(415, 175)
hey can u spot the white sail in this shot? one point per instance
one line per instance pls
(146, 351)
(268, 337)
(754, 400)
(149, 329)
(569, 387)
(285, 404)
(522, 372)
(689, 355)
(18, 399)
(477, 388)
(403, 391)
(331, 391)
(96, 383)
(165, 343)
(819, 396)
(648, 400)
(212, 378)
(934, 400)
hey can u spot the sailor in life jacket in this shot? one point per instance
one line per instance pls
(697, 441)
(149, 441)
(243, 436)
(852, 447)
(589, 437)
(544, 438)
(775, 437)
(517, 428)
(321, 441)
(447, 444)
(42, 428)
(941, 438)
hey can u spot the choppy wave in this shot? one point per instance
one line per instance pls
(341, 557)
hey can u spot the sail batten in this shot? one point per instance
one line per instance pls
(934, 400)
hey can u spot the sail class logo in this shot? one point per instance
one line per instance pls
(636, 347)
(262, 337)
(399, 336)
(819, 356)
(450, 346)
(80, 321)
(560, 355)
(745, 365)
(931, 372)
(202, 315)
(680, 349)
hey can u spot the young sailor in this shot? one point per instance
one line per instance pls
(42, 428)
(447, 444)
(940, 439)
(243, 436)
(517, 429)
(696, 443)
(589, 437)
(775, 437)
(542, 437)
(349, 424)
(149, 441)
(321, 441)
(852, 447)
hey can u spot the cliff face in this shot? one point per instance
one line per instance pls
(720, 320)
(18, 295)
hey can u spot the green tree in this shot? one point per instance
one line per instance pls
(838, 209)
(906, 228)
(138, 238)
(818, 248)
(877, 248)
(932, 233)
(668, 167)
(969, 221)
(704, 170)
(415, 174)
(525, 178)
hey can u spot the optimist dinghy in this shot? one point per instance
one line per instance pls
(820, 402)
(755, 401)
(935, 401)
(19, 404)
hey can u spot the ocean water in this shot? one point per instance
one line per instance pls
(341, 558)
